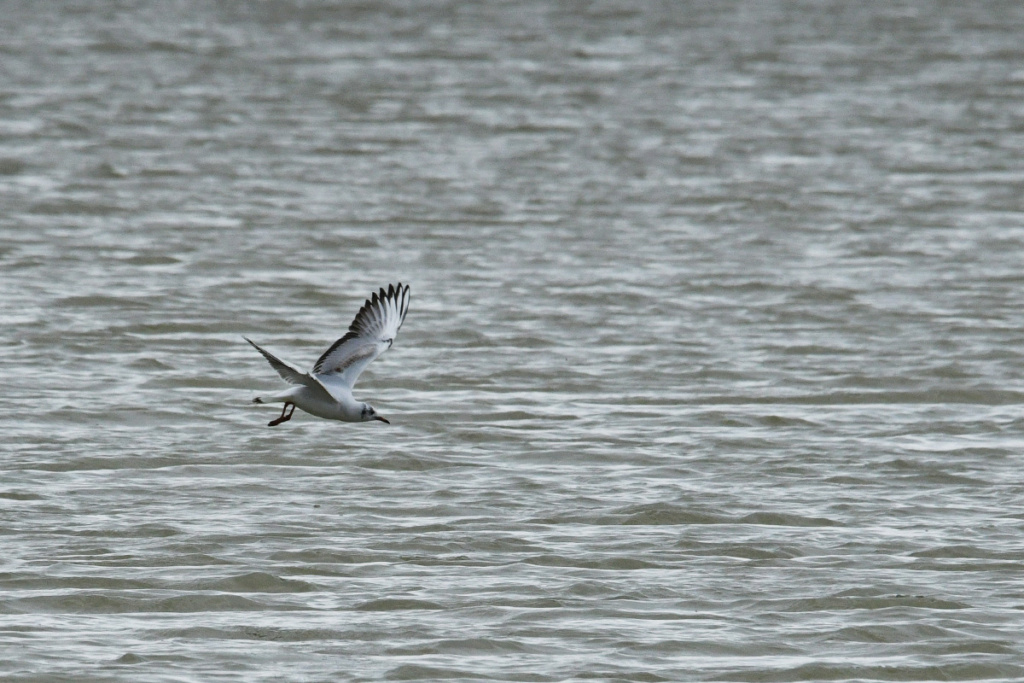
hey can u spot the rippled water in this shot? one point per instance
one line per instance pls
(713, 368)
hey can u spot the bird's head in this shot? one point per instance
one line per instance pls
(370, 414)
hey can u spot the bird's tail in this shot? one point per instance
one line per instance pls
(280, 397)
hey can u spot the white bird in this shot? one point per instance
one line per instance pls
(326, 390)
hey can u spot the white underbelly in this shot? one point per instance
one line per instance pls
(318, 406)
(316, 403)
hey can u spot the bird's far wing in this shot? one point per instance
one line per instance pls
(371, 333)
(289, 373)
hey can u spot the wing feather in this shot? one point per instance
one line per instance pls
(371, 333)
(289, 373)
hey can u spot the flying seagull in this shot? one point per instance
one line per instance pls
(326, 390)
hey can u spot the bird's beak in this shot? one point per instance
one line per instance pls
(378, 417)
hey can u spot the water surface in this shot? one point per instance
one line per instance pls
(712, 369)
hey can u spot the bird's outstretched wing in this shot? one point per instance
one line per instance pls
(371, 333)
(289, 373)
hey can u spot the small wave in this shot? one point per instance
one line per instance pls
(257, 582)
(786, 519)
(396, 604)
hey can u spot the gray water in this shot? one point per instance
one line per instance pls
(713, 367)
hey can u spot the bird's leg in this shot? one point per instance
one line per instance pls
(283, 418)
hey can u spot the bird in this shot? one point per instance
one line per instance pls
(326, 390)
